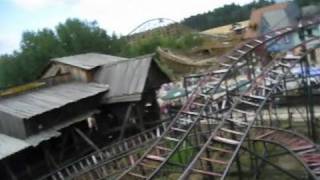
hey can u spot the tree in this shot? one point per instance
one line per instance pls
(37, 48)
(227, 14)
(77, 37)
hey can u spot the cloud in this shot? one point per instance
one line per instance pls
(124, 15)
(9, 42)
(34, 5)
(120, 16)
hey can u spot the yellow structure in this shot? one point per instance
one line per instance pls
(227, 29)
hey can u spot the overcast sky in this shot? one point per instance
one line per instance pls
(119, 16)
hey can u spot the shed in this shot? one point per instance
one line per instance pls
(81, 67)
(127, 79)
(132, 95)
(256, 17)
(31, 112)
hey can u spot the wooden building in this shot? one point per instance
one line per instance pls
(34, 125)
(131, 101)
(81, 67)
(45, 127)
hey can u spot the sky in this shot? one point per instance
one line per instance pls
(115, 16)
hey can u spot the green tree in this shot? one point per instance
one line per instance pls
(37, 48)
(78, 37)
(227, 14)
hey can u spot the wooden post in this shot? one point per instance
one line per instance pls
(125, 121)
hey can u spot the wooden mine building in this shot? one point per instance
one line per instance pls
(42, 129)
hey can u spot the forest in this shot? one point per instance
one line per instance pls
(231, 13)
(75, 36)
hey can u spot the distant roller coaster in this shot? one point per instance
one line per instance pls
(153, 24)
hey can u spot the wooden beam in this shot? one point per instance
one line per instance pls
(49, 158)
(87, 140)
(9, 171)
(62, 146)
(140, 118)
(125, 121)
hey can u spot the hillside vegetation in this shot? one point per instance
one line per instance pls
(75, 36)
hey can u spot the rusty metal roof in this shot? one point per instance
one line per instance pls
(10, 145)
(89, 61)
(126, 79)
(36, 102)
(256, 17)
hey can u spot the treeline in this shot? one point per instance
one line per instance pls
(307, 2)
(231, 13)
(75, 37)
(224, 15)
(37, 48)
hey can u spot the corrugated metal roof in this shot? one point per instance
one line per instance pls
(89, 60)
(10, 145)
(256, 17)
(126, 79)
(276, 19)
(42, 100)
(47, 134)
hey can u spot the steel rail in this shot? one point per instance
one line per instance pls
(260, 42)
(189, 168)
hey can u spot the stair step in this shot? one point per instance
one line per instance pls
(191, 113)
(233, 58)
(249, 103)
(198, 104)
(243, 112)
(237, 121)
(225, 65)
(232, 131)
(240, 51)
(219, 149)
(278, 32)
(155, 158)
(314, 164)
(258, 41)
(171, 139)
(204, 95)
(214, 161)
(163, 148)
(207, 172)
(249, 46)
(268, 36)
(306, 151)
(265, 134)
(300, 148)
(185, 120)
(225, 140)
(137, 175)
(256, 97)
(178, 129)
(284, 64)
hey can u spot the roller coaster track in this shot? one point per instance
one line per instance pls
(135, 161)
(107, 154)
(299, 146)
(145, 23)
(230, 134)
(203, 106)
